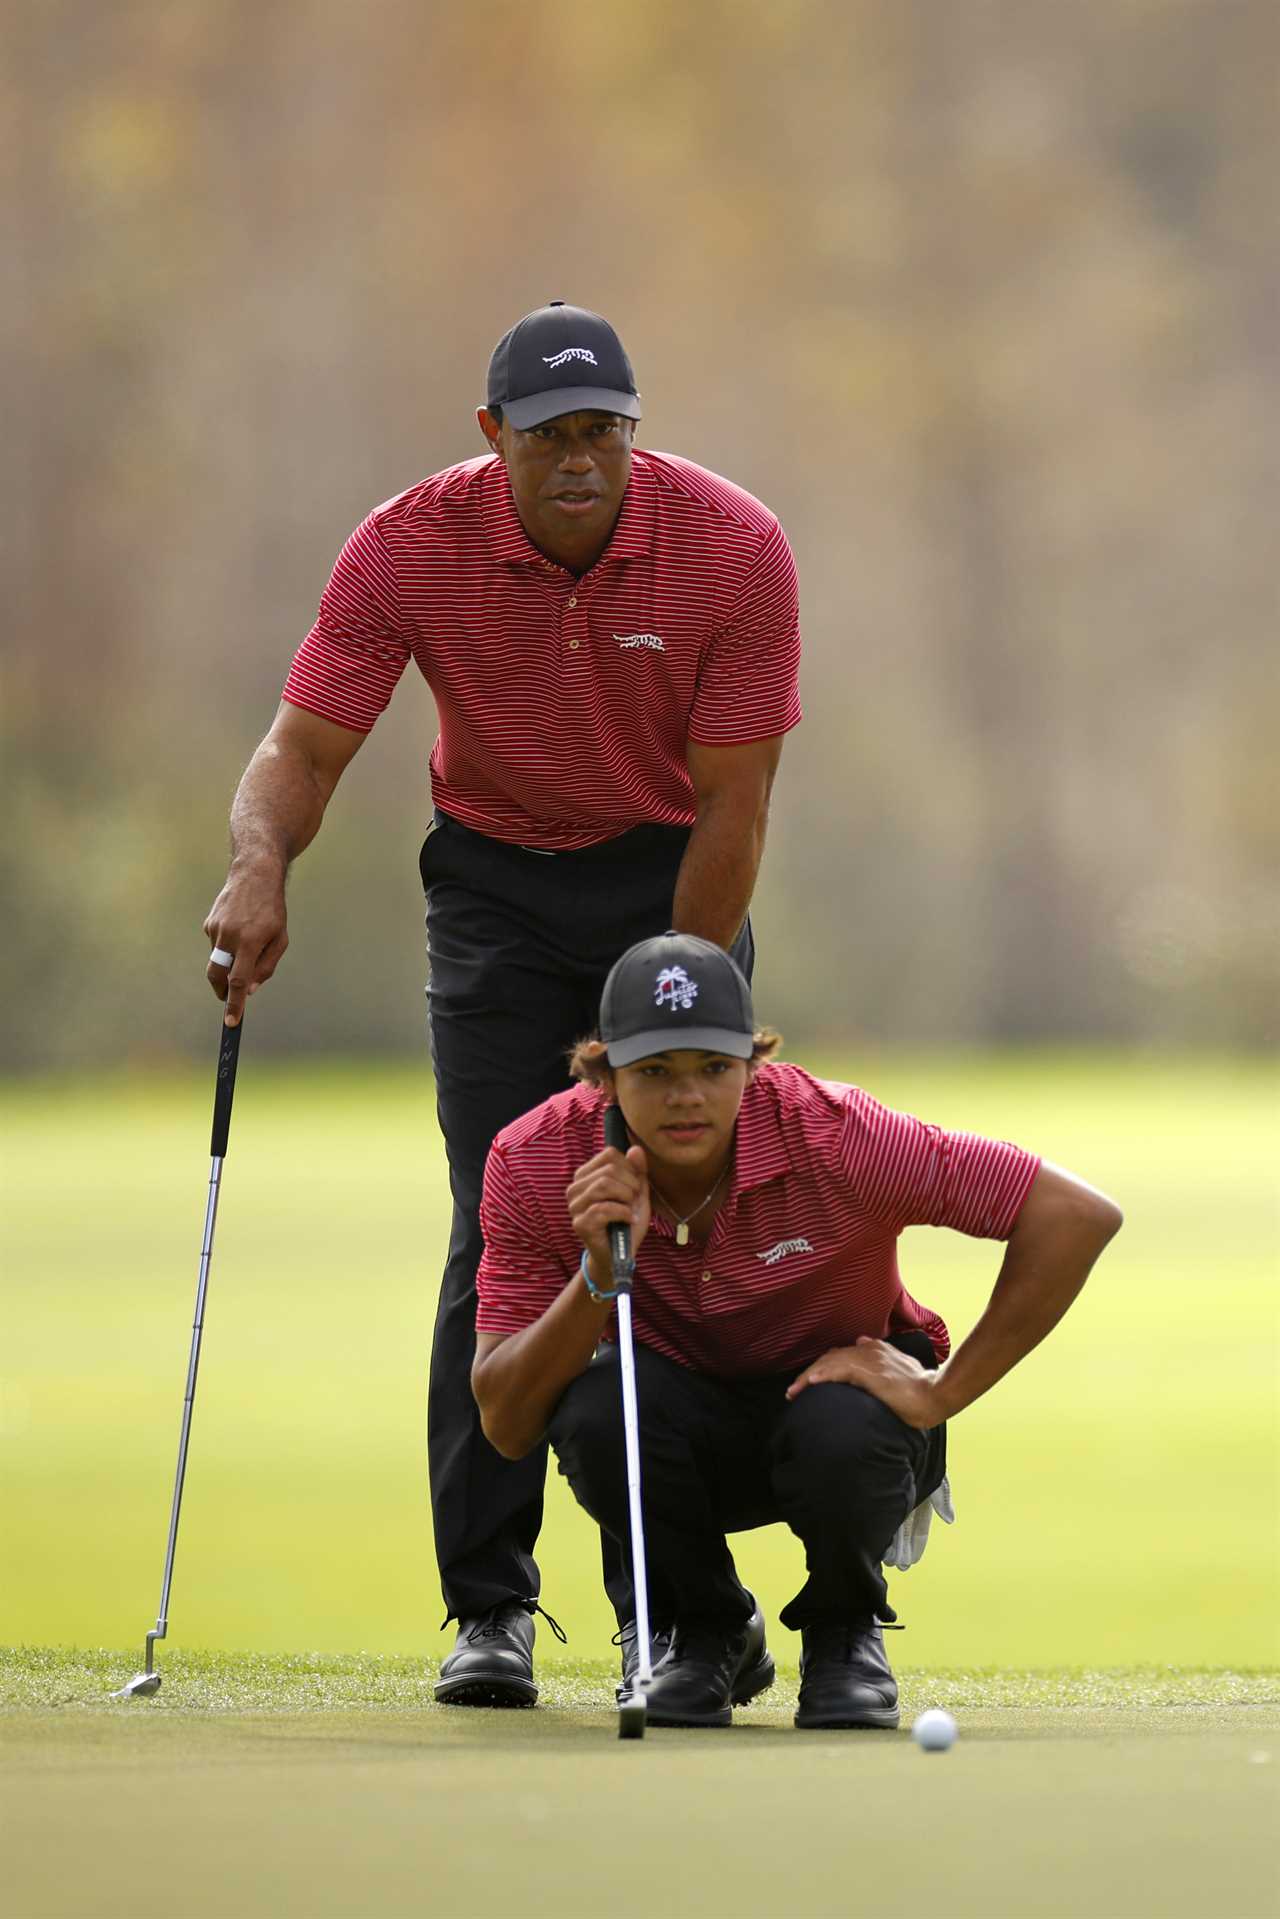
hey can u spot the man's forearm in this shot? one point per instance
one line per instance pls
(718, 872)
(518, 1384)
(278, 807)
(277, 811)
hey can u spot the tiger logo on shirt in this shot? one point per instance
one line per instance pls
(783, 1247)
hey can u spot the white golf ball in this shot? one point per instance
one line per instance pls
(934, 1730)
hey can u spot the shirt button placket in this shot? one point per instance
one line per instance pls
(575, 624)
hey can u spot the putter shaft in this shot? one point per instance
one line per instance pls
(631, 1432)
(188, 1401)
(148, 1680)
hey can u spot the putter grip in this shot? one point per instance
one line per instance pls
(624, 1265)
(228, 1054)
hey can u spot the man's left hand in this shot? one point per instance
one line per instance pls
(904, 1385)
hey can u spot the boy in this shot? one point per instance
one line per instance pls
(784, 1372)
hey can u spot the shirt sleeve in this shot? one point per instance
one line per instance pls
(909, 1174)
(347, 667)
(749, 686)
(520, 1273)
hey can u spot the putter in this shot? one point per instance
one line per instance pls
(632, 1708)
(148, 1680)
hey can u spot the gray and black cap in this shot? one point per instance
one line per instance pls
(561, 359)
(671, 992)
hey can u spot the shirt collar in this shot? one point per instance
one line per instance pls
(760, 1151)
(633, 533)
(508, 541)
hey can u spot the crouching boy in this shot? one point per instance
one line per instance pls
(784, 1372)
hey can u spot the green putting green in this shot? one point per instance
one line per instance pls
(1115, 1497)
(260, 1787)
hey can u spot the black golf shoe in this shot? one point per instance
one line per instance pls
(758, 1669)
(845, 1678)
(709, 1669)
(659, 1646)
(492, 1660)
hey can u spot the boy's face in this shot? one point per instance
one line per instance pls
(682, 1106)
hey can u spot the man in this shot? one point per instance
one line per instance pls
(784, 1372)
(611, 639)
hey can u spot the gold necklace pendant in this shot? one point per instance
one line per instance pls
(682, 1232)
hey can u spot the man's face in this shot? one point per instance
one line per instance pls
(682, 1107)
(568, 477)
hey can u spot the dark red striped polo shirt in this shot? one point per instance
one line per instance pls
(803, 1254)
(565, 703)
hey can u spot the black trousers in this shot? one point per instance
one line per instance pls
(519, 944)
(724, 1455)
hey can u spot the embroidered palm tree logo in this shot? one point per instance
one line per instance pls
(675, 989)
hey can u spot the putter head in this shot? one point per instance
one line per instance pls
(140, 1687)
(631, 1715)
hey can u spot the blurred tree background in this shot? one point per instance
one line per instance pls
(980, 300)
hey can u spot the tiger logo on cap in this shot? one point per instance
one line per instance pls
(554, 360)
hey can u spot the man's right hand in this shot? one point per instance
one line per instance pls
(248, 920)
(610, 1187)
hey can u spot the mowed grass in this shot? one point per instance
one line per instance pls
(1116, 1496)
(336, 1789)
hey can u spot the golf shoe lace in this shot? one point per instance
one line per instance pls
(493, 1625)
(626, 1636)
(554, 1624)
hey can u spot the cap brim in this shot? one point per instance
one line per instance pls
(684, 1039)
(536, 408)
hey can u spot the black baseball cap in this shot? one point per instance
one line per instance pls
(675, 991)
(561, 359)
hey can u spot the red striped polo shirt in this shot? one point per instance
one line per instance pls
(565, 703)
(803, 1254)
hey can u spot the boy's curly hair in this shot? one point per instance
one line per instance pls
(589, 1062)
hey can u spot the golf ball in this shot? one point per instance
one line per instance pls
(934, 1730)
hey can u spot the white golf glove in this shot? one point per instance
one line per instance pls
(908, 1543)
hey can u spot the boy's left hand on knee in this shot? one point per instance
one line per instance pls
(893, 1377)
